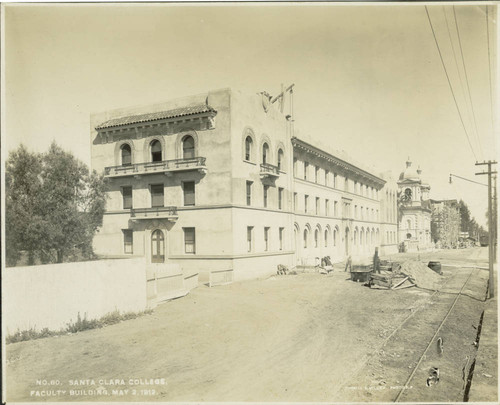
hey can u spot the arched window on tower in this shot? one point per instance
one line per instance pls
(156, 151)
(126, 155)
(188, 147)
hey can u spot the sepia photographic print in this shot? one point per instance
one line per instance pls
(249, 202)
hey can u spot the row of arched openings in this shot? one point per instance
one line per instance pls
(156, 152)
(316, 242)
(265, 158)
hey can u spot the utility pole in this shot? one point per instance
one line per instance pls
(491, 225)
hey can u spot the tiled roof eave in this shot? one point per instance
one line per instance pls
(145, 118)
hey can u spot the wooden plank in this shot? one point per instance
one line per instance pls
(401, 282)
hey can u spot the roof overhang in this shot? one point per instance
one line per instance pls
(339, 163)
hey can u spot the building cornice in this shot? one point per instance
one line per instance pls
(339, 163)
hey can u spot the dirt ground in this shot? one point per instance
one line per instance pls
(308, 337)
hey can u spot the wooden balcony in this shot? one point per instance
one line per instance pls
(168, 167)
(169, 213)
(269, 171)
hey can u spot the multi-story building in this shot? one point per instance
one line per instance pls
(218, 183)
(445, 224)
(415, 210)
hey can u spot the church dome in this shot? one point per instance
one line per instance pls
(409, 173)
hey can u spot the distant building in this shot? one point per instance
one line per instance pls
(445, 225)
(218, 183)
(415, 210)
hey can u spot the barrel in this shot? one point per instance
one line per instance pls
(435, 266)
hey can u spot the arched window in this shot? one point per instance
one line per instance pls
(157, 247)
(156, 151)
(126, 155)
(305, 238)
(188, 147)
(316, 238)
(248, 148)
(334, 237)
(280, 159)
(326, 237)
(355, 237)
(408, 223)
(265, 153)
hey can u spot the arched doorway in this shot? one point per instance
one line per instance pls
(157, 247)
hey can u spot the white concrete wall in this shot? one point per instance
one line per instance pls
(50, 296)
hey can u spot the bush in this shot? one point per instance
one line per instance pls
(79, 326)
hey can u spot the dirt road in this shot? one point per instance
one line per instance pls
(287, 338)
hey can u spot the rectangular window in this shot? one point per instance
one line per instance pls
(334, 180)
(355, 211)
(327, 178)
(306, 168)
(249, 238)
(316, 174)
(189, 240)
(317, 205)
(249, 193)
(280, 198)
(327, 207)
(188, 187)
(281, 235)
(127, 197)
(356, 187)
(266, 239)
(157, 195)
(128, 241)
(306, 198)
(346, 184)
(295, 201)
(335, 208)
(266, 188)
(295, 167)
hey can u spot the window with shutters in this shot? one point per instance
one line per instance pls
(249, 192)
(126, 155)
(189, 240)
(249, 238)
(127, 197)
(157, 195)
(189, 194)
(128, 241)
(156, 155)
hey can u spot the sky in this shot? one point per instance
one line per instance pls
(368, 78)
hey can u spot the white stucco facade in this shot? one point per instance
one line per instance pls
(217, 182)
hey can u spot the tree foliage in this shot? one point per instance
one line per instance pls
(468, 223)
(54, 206)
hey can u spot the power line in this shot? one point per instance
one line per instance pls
(467, 80)
(463, 178)
(489, 66)
(449, 83)
(458, 70)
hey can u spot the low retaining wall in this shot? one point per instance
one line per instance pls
(51, 296)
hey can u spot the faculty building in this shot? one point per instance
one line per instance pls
(220, 182)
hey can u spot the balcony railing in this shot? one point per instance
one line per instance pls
(269, 170)
(154, 213)
(165, 166)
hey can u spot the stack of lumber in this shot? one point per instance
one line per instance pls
(390, 281)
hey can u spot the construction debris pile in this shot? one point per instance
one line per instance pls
(394, 276)
(421, 275)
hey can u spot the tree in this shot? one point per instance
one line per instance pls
(58, 209)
